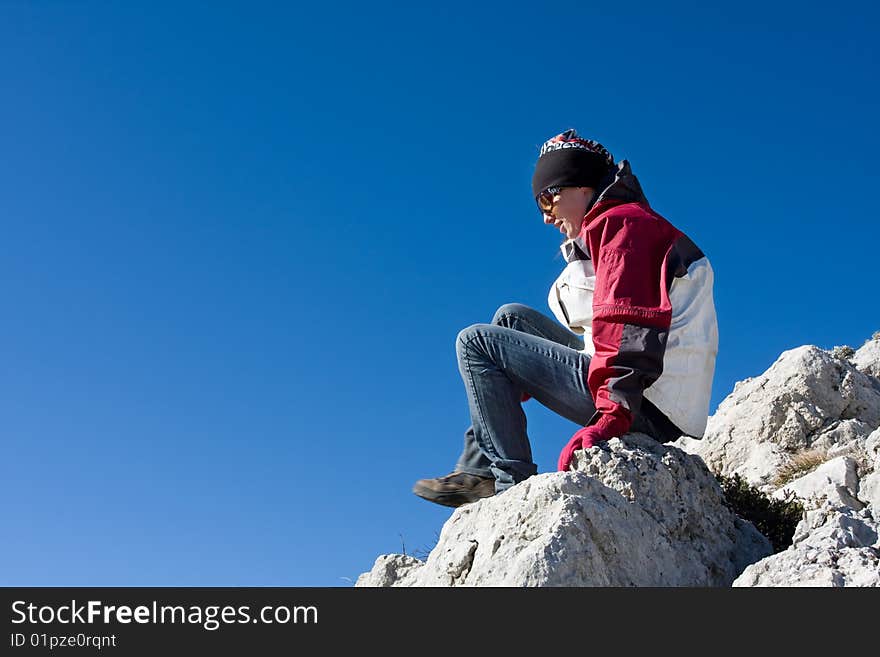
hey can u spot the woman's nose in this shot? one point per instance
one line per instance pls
(548, 218)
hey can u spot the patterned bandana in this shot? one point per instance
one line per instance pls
(570, 139)
(568, 160)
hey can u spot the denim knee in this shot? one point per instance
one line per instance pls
(509, 309)
(465, 336)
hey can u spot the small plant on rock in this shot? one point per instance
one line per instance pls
(800, 464)
(843, 352)
(423, 552)
(776, 519)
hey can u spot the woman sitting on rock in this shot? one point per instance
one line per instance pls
(636, 288)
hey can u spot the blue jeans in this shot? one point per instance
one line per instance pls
(522, 350)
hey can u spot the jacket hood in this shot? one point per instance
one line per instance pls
(620, 186)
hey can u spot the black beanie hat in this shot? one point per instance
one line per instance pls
(567, 160)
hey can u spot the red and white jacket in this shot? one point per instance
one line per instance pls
(640, 291)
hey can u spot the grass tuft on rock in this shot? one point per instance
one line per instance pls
(798, 465)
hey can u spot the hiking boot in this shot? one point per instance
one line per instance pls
(455, 489)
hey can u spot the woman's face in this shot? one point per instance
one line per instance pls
(569, 208)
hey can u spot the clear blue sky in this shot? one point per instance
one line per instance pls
(239, 241)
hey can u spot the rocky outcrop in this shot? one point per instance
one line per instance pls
(808, 428)
(637, 513)
(867, 357)
(633, 513)
(807, 399)
(836, 480)
(869, 485)
(390, 569)
(832, 546)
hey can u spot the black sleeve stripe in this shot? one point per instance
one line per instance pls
(637, 364)
(682, 255)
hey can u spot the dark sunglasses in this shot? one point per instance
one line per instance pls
(547, 199)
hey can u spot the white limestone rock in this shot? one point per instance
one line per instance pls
(832, 546)
(869, 489)
(389, 568)
(806, 396)
(633, 513)
(869, 484)
(872, 445)
(835, 480)
(812, 568)
(867, 357)
(843, 438)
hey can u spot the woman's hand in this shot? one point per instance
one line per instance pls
(607, 426)
(583, 439)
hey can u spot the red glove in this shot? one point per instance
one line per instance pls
(606, 427)
(583, 439)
